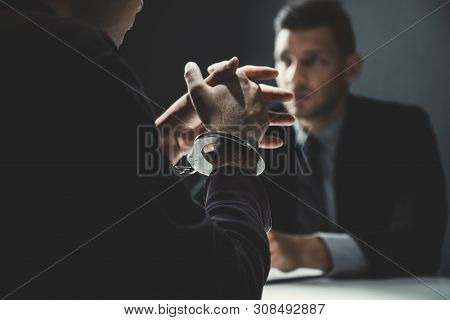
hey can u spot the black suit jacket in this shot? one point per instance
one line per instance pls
(389, 185)
(76, 220)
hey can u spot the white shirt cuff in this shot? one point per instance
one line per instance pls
(346, 255)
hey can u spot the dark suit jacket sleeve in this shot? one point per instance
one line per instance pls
(239, 209)
(414, 237)
(225, 247)
(77, 218)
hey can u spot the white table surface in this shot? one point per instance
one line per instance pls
(379, 289)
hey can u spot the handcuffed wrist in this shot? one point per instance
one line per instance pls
(213, 150)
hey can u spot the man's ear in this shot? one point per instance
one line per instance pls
(354, 65)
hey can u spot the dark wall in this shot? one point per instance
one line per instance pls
(170, 33)
(413, 68)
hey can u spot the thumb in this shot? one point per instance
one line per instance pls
(193, 77)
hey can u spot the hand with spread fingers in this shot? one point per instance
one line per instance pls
(226, 100)
(235, 106)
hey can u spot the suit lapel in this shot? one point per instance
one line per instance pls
(354, 163)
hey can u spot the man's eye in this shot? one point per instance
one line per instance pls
(310, 61)
(313, 61)
(287, 61)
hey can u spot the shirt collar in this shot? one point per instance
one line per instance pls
(328, 136)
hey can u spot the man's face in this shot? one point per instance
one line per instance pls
(307, 60)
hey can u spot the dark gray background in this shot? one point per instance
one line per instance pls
(414, 68)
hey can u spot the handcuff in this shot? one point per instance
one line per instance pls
(197, 159)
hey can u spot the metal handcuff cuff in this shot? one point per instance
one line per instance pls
(197, 157)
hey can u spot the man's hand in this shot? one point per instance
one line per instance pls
(289, 252)
(235, 106)
(180, 124)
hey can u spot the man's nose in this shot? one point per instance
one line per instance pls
(298, 76)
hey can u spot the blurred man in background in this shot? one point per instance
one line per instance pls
(358, 189)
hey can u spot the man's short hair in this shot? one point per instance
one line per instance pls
(308, 14)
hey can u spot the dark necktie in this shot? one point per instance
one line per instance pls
(310, 186)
